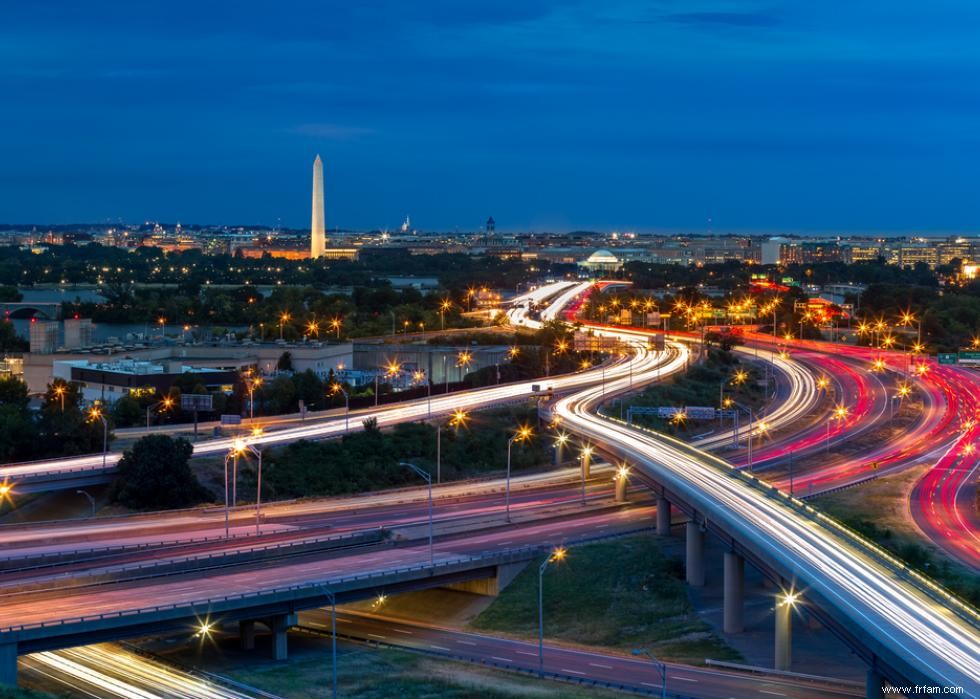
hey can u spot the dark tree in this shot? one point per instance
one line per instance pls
(156, 475)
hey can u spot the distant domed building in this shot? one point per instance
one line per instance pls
(601, 262)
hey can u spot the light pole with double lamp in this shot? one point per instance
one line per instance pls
(427, 477)
(239, 448)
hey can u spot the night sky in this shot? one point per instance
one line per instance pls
(674, 115)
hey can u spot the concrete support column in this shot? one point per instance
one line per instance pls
(559, 453)
(586, 464)
(784, 636)
(246, 634)
(734, 593)
(621, 484)
(663, 516)
(873, 685)
(8, 664)
(695, 555)
(279, 625)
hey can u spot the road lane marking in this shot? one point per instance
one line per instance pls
(526, 652)
(572, 672)
(432, 645)
(503, 660)
(604, 667)
(375, 635)
(688, 679)
(766, 691)
(405, 631)
(465, 643)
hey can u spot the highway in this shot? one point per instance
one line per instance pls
(573, 664)
(901, 623)
(107, 671)
(334, 425)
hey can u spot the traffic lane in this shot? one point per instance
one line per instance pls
(55, 605)
(340, 514)
(108, 671)
(605, 667)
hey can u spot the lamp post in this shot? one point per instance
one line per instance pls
(60, 392)
(839, 414)
(282, 321)
(167, 403)
(240, 447)
(332, 598)
(252, 384)
(522, 434)
(661, 667)
(91, 500)
(427, 477)
(96, 414)
(556, 556)
(443, 307)
(335, 389)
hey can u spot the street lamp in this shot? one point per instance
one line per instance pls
(252, 383)
(167, 403)
(283, 318)
(557, 555)
(523, 433)
(335, 324)
(60, 392)
(443, 307)
(661, 667)
(427, 477)
(239, 448)
(839, 414)
(463, 361)
(335, 389)
(96, 414)
(332, 598)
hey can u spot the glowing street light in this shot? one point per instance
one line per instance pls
(96, 414)
(823, 382)
(334, 390)
(313, 328)
(523, 434)
(557, 555)
(60, 392)
(283, 319)
(839, 414)
(443, 307)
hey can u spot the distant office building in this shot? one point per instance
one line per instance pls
(78, 333)
(318, 237)
(44, 336)
(772, 251)
(861, 252)
(110, 381)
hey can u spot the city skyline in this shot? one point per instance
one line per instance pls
(728, 116)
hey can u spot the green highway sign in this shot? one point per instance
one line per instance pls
(969, 358)
(947, 357)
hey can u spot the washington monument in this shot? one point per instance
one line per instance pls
(318, 241)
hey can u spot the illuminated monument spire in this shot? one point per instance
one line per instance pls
(318, 242)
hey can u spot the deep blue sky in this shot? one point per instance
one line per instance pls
(834, 115)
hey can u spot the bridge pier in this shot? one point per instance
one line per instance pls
(784, 635)
(621, 484)
(695, 554)
(8, 664)
(246, 634)
(663, 516)
(586, 464)
(279, 625)
(873, 685)
(733, 617)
